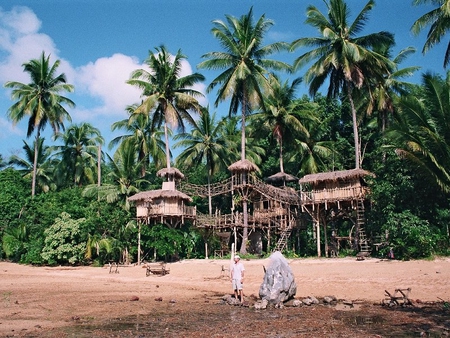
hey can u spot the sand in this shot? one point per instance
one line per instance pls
(35, 300)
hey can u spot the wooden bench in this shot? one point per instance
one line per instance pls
(157, 269)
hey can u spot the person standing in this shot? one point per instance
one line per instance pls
(237, 278)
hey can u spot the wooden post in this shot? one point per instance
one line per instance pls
(319, 254)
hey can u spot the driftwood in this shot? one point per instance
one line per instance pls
(400, 297)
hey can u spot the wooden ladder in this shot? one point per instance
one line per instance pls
(284, 236)
(360, 221)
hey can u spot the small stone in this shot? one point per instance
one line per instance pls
(134, 298)
(159, 299)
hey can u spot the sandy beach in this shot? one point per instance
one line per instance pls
(46, 301)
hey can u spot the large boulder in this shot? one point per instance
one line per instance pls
(278, 285)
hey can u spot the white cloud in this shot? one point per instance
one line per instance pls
(105, 79)
(20, 42)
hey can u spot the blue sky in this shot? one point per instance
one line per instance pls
(100, 42)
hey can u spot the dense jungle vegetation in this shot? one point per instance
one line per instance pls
(65, 200)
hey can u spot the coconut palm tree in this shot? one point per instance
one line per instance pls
(383, 92)
(44, 165)
(420, 133)
(439, 21)
(283, 115)
(204, 144)
(124, 177)
(245, 71)
(148, 140)
(79, 153)
(244, 63)
(40, 100)
(341, 55)
(168, 96)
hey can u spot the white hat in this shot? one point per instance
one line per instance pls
(237, 257)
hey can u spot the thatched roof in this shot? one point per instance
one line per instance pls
(173, 172)
(160, 193)
(281, 177)
(335, 176)
(243, 165)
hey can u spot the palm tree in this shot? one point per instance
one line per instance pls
(283, 114)
(44, 165)
(124, 177)
(40, 100)
(79, 152)
(148, 141)
(384, 91)
(168, 96)
(245, 69)
(439, 22)
(204, 144)
(341, 55)
(244, 63)
(420, 133)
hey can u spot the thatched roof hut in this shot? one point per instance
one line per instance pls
(334, 176)
(159, 194)
(343, 185)
(170, 174)
(243, 165)
(281, 177)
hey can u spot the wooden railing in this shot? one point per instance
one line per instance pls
(328, 195)
(171, 210)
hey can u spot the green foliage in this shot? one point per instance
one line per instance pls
(166, 241)
(410, 237)
(63, 241)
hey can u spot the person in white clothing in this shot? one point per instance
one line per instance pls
(237, 278)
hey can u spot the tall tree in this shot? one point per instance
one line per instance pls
(124, 177)
(168, 96)
(79, 153)
(148, 140)
(40, 100)
(439, 21)
(420, 133)
(283, 115)
(204, 144)
(384, 91)
(245, 71)
(44, 165)
(341, 55)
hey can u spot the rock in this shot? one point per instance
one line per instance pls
(314, 300)
(307, 301)
(278, 285)
(158, 299)
(329, 299)
(297, 303)
(261, 305)
(172, 301)
(134, 298)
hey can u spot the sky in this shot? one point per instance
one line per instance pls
(100, 42)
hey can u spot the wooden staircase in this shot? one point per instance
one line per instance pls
(360, 222)
(284, 236)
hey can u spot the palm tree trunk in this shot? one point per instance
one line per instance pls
(36, 148)
(355, 127)
(281, 155)
(209, 193)
(166, 135)
(243, 249)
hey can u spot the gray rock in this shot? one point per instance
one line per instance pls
(278, 284)
(307, 301)
(297, 303)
